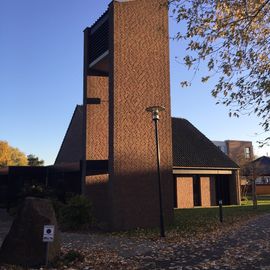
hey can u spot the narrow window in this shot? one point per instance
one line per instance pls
(197, 190)
(247, 152)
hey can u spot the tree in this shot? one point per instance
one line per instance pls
(251, 172)
(34, 161)
(4, 154)
(232, 38)
(10, 156)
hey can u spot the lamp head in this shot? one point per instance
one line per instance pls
(155, 111)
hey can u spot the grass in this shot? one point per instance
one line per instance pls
(200, 220)
(262, 200)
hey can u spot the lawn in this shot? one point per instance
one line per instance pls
(262, 200)
(200, 220)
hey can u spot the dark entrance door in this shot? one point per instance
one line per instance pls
(223, 189)
(197, 190)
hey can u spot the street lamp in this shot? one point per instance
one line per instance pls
(155, 117)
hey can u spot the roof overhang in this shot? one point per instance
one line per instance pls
(204, 170)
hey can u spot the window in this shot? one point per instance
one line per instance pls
(247, 152)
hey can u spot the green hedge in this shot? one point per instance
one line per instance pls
(77, 214)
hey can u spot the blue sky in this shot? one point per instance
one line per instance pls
(41, 54)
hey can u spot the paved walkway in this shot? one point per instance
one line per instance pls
(246, 247)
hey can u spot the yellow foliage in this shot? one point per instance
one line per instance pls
(10, 156)
(232, 38)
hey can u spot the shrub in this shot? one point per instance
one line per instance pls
(77, 214)
(57, 206)
(36, 190)
(65, 260)
(72, 256)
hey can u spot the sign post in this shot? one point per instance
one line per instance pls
(220, 211)
(48, 236)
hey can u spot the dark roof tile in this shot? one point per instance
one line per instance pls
(192, 149)
(71, 148)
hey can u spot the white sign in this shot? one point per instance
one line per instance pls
(48, 233)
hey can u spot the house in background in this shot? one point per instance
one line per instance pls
(239, 151)
(259, 170)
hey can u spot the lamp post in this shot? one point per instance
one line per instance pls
(155, 117)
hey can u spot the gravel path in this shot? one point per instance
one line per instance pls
(247, 247)
(244, 247)
(125, 247)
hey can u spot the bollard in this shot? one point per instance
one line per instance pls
(220, 211)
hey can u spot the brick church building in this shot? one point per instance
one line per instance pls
(111, 136)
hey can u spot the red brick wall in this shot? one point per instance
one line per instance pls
(96, 189)
(236, 151)
(184, 191)
(139, 78)
(97, 123)
(97, 147)
(205, 191)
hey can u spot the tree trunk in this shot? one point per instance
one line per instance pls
(254, 195)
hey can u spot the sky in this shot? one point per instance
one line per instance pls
(41, 75)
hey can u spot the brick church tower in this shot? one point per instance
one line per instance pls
(126, 70)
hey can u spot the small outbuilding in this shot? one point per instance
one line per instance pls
(203, 174)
